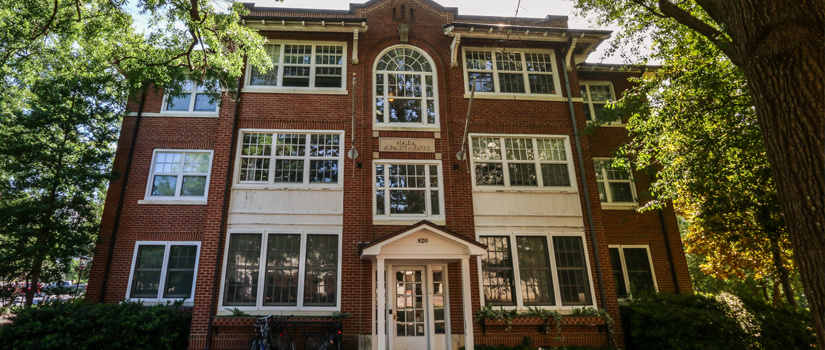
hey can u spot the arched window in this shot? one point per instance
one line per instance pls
(405, 88)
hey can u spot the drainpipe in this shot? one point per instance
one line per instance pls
(669, 253)
(227, 186)
(570, 45)
(119, 212)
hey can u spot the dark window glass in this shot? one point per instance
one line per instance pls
(148, 266)
(638, 271)
(243, 263)
(320, 284)
(497, 270)
(282, 261)
(180, 271)
(574, 284)
(618, 274)
(534, 271)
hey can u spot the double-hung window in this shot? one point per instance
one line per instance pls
(521, 161)
(282, 270)
(596, 96)
(302, 66)
(615, 184)
(523, 72)
(408, 189)
(535, 270)
(290, 157)
(163, 270)
(632, 270)
(179, 175)
(192, 98)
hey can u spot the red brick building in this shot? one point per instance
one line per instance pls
(261, 204)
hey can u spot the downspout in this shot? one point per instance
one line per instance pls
(227, 186)
(567, 53)
(669, 252)
(119, 212)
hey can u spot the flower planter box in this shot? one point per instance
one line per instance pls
(539, 322)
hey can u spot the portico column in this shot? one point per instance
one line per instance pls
(467, 303)
(382, 306)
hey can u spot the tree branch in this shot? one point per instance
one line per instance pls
(649, 9)
(716, 37)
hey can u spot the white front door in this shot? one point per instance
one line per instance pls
(419, 315)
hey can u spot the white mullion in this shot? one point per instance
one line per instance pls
(423, 79)
(427, 191)
(524, 73)
(537, 162)
(179, 179)
(163, 270)
(516, 272)
(551, 251)
(312, 53)
(282, 52)
(262, 270)
(505, 166)
(607, 191)
(386, 97)
(301, 270)
(496, 83)
(272, 156)
(624, 273)
(306, 157)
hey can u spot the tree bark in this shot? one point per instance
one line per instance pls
(782, 47)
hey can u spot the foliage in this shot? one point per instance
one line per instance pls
(236, 312)
(68, 68)
(547, 316)
(78, 325)
(683, 321)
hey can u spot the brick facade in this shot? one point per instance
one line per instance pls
(202, 223)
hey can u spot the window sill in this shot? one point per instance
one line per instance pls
(270, 187)
(608, 125)
(406, 221)
(178, 114)
(381, 127)
(619, 206)
(282, 311)
(491, 189)
(522, 97)
(172, 202)
(153, 301)
(283, 90)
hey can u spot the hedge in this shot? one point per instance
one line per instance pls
(79, 325)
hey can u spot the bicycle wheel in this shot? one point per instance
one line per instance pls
(284, 344)
(259, 344)
(314, 341)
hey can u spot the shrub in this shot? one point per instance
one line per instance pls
(781, 327)
(682, 321)
(686, 321)
(78, 325)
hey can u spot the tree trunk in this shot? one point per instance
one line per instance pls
(781, 47)
(781, 271)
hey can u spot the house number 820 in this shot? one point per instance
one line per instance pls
(423, 240)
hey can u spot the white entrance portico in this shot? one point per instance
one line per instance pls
(411, 286)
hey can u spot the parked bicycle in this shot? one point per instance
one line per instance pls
(320, 341)
(262, 339)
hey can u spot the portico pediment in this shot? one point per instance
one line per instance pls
(423, 240)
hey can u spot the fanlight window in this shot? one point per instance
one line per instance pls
(405, 89)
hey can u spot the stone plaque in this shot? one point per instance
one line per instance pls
(395, 144)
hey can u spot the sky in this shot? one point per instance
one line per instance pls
(503, 8)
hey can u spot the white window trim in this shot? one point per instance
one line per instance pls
(187, 113)
(517, 275)
(306, 310)
(405, 218)
(160, 298)
(588, 103)
(177, 199)
(270, 184)
(573, 188)
(527, 95)
(624, 267)
(387, 125)
(342, 90)
(610, 205)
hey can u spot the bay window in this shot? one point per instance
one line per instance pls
(289, 157)
(287, 270)
(302, 65)
(535, 270)
(520, 161)
(523, 72)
